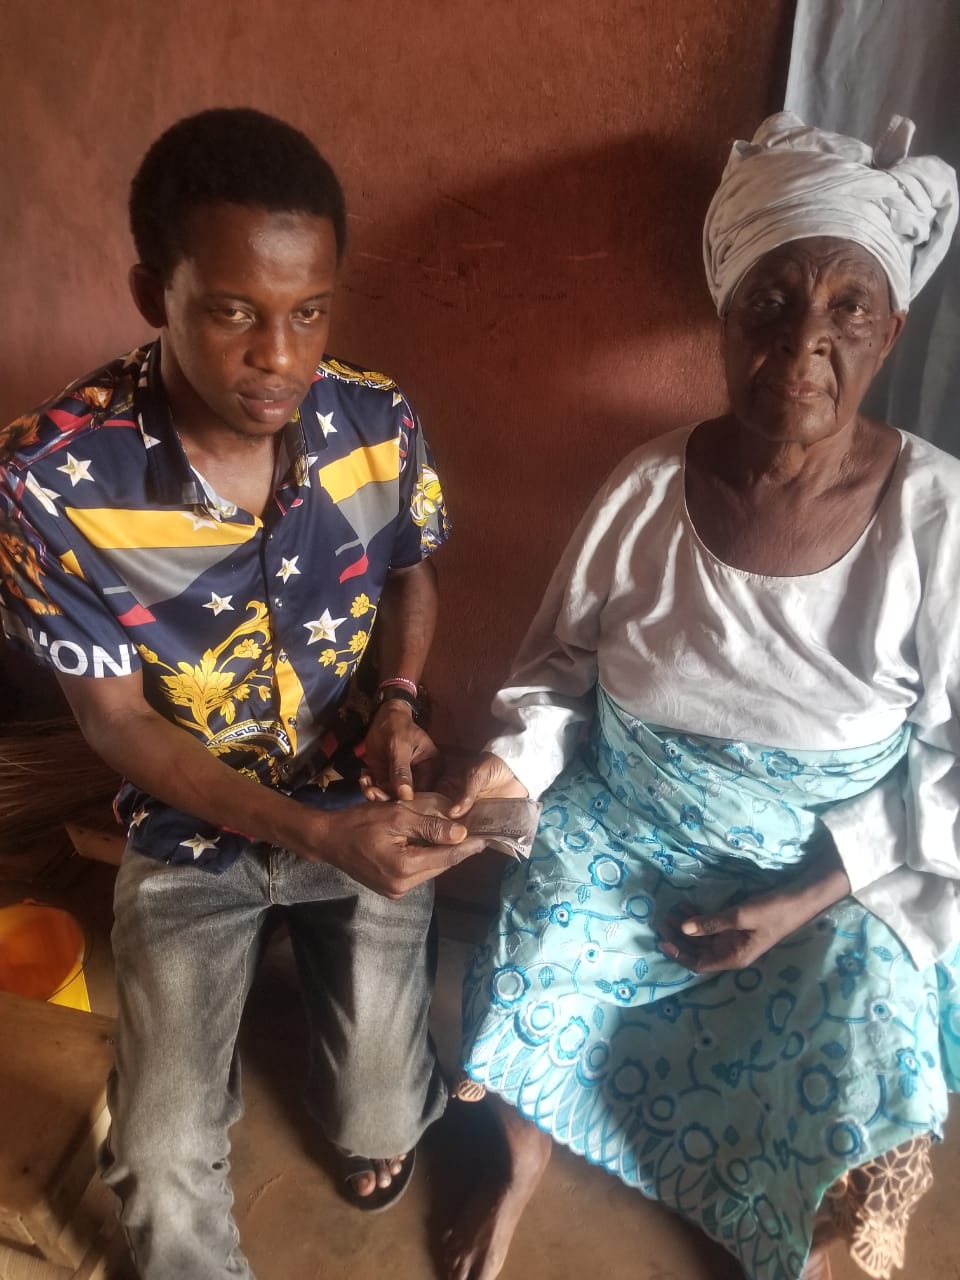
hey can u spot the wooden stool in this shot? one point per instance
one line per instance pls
(95, 835)
(56, 1217)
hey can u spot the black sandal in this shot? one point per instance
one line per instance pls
(380, 1198)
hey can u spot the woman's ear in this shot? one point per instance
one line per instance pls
(147, 288)
(897, 320)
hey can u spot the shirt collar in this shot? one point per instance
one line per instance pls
(172, 480)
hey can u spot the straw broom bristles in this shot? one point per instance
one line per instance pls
(47, 773)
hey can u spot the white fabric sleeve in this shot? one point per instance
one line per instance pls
(900, 842)
(550, 695)
(870, 831)
(898, 846)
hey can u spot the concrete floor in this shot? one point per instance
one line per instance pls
(582, 1222)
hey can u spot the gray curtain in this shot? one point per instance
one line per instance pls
(854, 64)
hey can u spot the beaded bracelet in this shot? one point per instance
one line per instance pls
(402, 682)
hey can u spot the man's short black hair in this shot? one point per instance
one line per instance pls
(229, 155)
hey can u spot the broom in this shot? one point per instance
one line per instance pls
(47, 774)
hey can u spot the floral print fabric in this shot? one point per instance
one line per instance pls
(735, 1099)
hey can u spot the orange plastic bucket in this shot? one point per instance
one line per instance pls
(42, 950)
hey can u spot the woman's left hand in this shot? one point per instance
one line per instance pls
(736, 937)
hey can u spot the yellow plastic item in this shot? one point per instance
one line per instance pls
(42, 950)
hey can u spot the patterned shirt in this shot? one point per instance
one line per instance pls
(116, 554)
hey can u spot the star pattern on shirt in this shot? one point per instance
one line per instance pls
(323, 628)
(199, 844)
(310, 460)
(46, 497)
(287, 568)
(76, 469)
(197, 574)
(149, 441)
(218, 603)
(200, 521)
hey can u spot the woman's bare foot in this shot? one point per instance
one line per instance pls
(475, 1247)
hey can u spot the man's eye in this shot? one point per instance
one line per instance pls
(231, 315)
(310, 315)
(853, 307)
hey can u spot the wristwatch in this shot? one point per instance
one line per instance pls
(404, 695)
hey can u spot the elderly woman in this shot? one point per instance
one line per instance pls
(730, 973)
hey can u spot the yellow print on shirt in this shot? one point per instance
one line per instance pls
(20, 433)
(20, 569)
(208, 688)
(427, 498)
(355, 648)
(347, 373)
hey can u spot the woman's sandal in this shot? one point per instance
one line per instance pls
(380, 1198)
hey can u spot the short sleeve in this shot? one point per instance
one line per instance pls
(49, 605)
(422, 521)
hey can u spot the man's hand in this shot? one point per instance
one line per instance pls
(395, 746)
(386, 847)
(485, 775)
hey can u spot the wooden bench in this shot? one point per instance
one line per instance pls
(57, 1220)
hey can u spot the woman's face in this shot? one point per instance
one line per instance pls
(809, 326)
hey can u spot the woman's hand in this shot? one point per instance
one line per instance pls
(480, 776)
(733, 938)
(736, 937)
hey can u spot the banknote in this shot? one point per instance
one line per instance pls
(507, 825)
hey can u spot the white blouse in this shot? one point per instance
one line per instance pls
(833, 659)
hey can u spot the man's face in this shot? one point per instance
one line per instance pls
(245, 316)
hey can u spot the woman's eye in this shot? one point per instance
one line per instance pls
(767, 303)
(764, 309)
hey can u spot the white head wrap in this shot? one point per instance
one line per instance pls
(793, 180)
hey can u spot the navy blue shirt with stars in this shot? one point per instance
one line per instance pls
(116, 554)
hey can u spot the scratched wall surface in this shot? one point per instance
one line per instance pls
(526, 185)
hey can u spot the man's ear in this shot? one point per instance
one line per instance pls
(147, 288)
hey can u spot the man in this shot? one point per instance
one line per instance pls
(199, 538)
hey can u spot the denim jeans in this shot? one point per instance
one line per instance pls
(185, 943)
